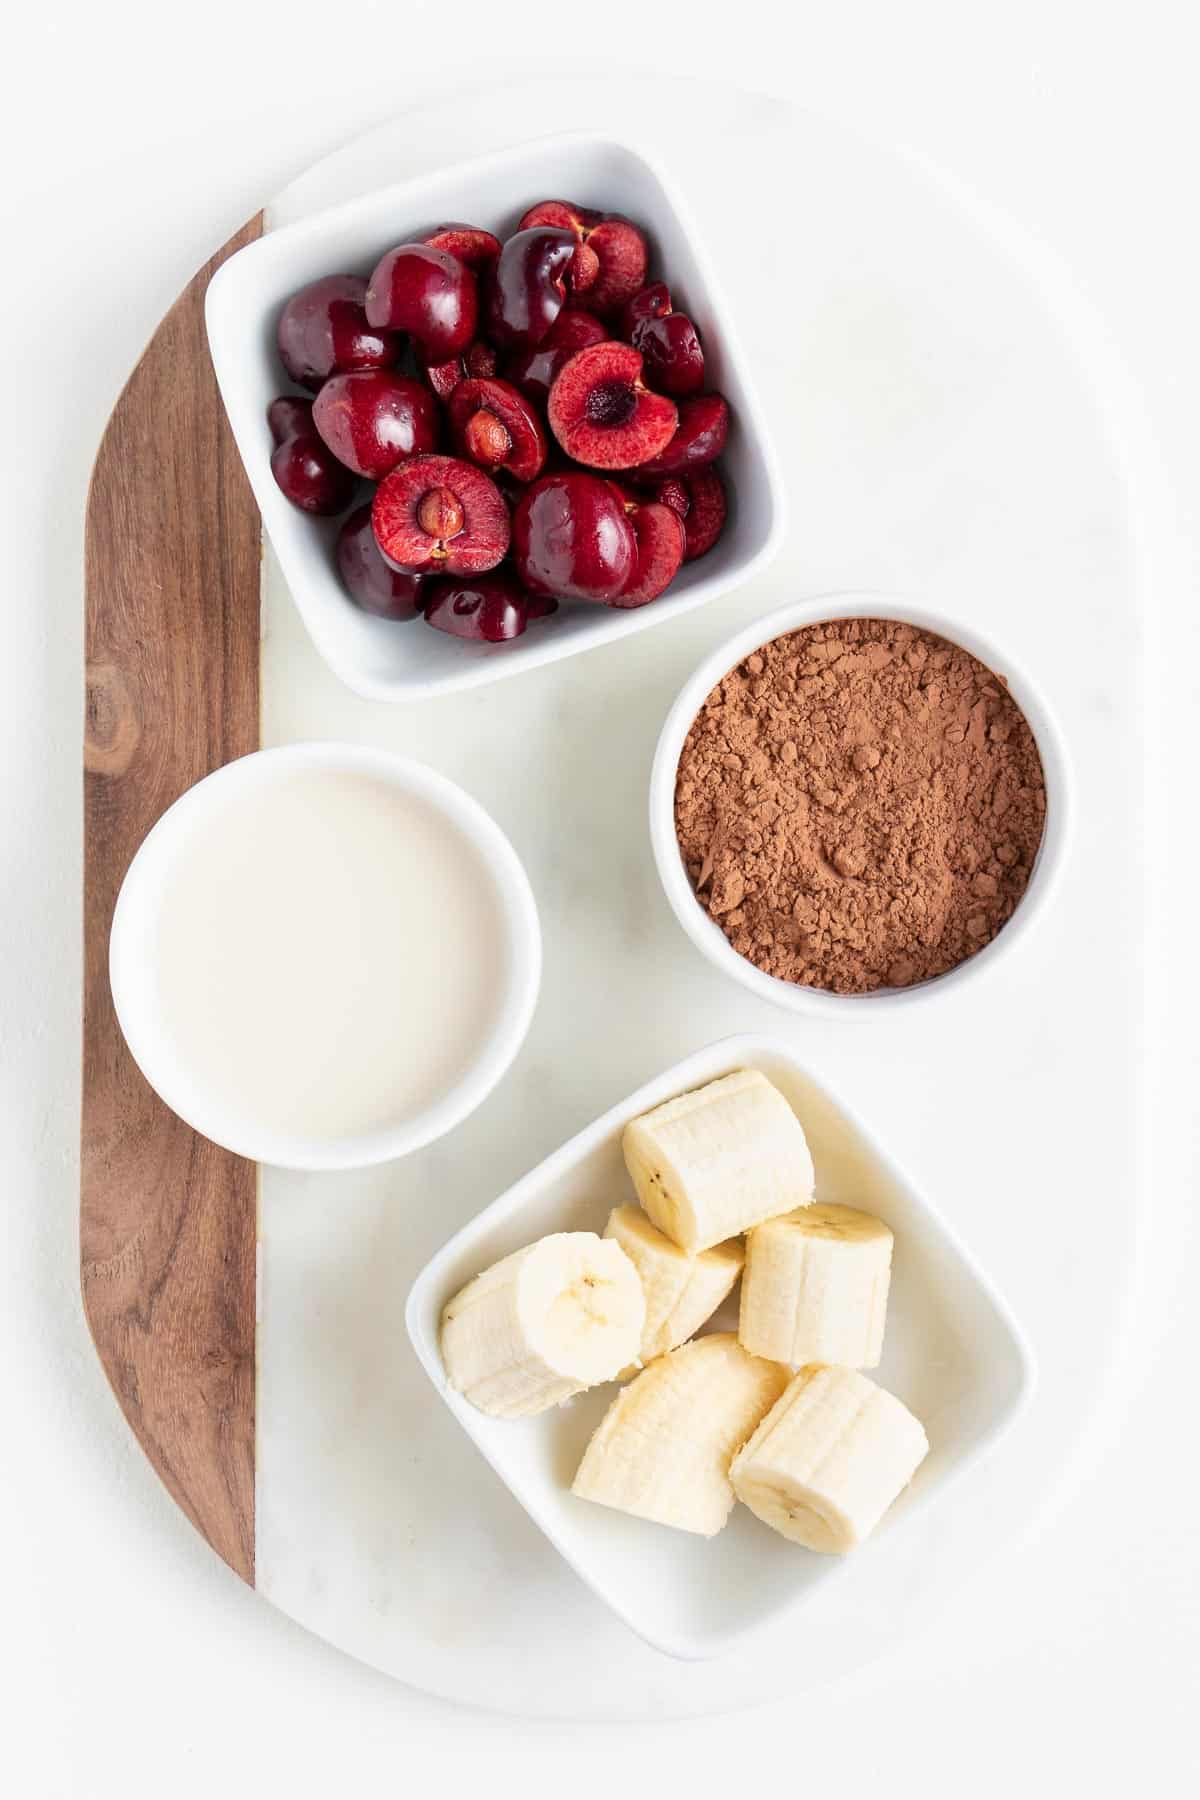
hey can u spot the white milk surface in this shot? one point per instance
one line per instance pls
(327, 954)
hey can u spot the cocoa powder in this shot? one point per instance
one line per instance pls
(859, 805)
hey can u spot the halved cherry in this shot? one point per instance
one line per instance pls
(372, 418)
(703, 428)
(371, 583)
(469, 243)
(699, 499)
(660, 538)
(490, 608)
(609, 264)
(603, 414)
(442, 515)
(533, 371)
(493, 424)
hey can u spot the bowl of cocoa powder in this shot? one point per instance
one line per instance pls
(856, 802)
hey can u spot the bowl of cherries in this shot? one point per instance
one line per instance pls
(482, 444)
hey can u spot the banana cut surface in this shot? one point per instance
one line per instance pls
(543, 1324)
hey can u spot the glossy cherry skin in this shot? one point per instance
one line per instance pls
(310, 475)
(323, 330)
(527, 287)
(699, 439)
(373, 419)
(652, 302)
(430, 294)
(672, 356)
(572, 540)
(371, 583)
(489, 608)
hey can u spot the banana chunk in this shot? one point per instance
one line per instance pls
(710, 1164)
(663, 1448)
(545, 1323)
(829, 1459)
(681, 1291)
(815, 1289)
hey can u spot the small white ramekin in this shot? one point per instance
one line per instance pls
(709, 937)
(134, 990)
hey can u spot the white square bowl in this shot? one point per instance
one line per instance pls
(382, 660)
(953, 1353)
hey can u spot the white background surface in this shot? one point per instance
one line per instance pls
(135, 139)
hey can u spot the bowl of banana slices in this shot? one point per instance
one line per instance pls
(717, 1342)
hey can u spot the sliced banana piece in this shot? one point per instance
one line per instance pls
(829, 1458)
(815, 1289)
(663, 1448)
(548, 1321)
(681, 1291)
(712, 1163)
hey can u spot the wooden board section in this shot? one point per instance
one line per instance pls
(167, 1220)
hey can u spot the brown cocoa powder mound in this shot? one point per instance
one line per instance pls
(859, 805)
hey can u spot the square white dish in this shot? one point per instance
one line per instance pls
(953, 1353)
(382, 660)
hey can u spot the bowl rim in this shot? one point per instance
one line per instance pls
(226, 345)
(165, 1068)
(689, 1070)
(858, 603)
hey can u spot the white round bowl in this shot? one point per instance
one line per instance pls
(709, 937)
(154, 1048)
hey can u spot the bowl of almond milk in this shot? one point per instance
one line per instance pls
(324, 956)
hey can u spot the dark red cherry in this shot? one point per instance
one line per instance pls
(489, 608)
(288, 417)
(308, 472)
(533, 371)
(428, 293)
(699, 437)
(371, 583)
(661, 542)
(652, 302)
(699, 499)
(572, 540)
(609, 264)
(526, 289)
(373, 419)
(323, 330)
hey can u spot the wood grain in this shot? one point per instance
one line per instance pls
(167, 1221)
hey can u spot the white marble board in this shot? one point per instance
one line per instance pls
(939, 436)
